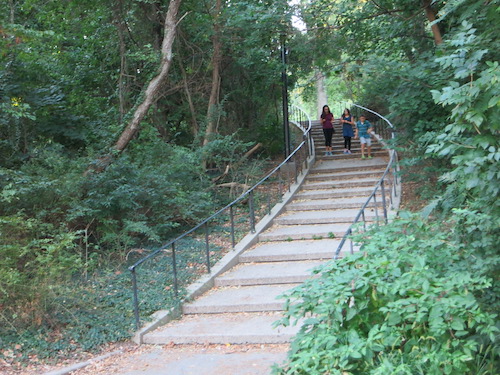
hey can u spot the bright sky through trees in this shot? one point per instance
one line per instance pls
(296, 20)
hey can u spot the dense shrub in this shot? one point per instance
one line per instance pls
(410, 302)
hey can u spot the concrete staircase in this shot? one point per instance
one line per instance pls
(243, 304)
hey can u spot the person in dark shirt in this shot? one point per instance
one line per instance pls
(326, 120)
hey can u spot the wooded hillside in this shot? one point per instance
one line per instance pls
(116, 116)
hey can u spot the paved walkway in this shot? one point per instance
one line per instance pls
(228, 330)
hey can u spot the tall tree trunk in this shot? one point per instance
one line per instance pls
(192, 110)
(121, 29)
(212, 117)
(431, 17)
(12, 7)
(151, 93)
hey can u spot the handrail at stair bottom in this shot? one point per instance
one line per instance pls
(391, 172)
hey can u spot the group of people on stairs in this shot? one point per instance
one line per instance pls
(361, 129)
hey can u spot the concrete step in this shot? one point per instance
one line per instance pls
(324, 217)
(338, 155)
(239, 299)
(345, 175)
(335, 193)
(233, 328)
(330, 204)
(291, 250)
(319, 142)
(337, 138)
(338, 184)
(339, 147)
(268, 273)
(304, 232)
(333, 166)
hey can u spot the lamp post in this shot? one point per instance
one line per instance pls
(284, 81)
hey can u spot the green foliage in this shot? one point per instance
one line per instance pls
(422, 297)
(142, 200)
(223, 150)
(471, 140)
(34, 256)
(409, 302)
(70, 73)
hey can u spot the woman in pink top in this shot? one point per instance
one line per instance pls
(327, 122)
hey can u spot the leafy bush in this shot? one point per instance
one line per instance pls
(143, 198)
(34, 256)
(410, 302)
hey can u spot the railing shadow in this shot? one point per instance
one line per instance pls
(176, 263)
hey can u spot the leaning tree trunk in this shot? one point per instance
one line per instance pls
(151, 93)
(212, 117)
(154, 86)
(431, 17)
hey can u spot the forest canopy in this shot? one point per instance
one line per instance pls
(74, 200)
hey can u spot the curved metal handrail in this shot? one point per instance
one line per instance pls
(300, 155)
(395, 192)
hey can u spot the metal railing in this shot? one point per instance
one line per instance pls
(387, 190)
(272, 186)
(379, 123)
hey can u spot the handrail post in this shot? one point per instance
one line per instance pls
(280, 185)
(231, 213)
(174, 268)
(207, 247)
(375, 203)
(252, 212)
(296, 162)
(269, 208)
(136, 299)
(383, 201)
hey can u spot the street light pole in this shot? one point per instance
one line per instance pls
(284, 81)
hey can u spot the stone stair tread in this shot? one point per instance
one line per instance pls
(287, 232)
(323, 216)
(351, 181)
(333, 166)
(335, 184)
(340, 156)
(355, 151)
(333, 200)
(344, 174)
(330, 204)
(232, 328)
(363, 191)
(239, 299)
(268, 273)
(294, 250)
